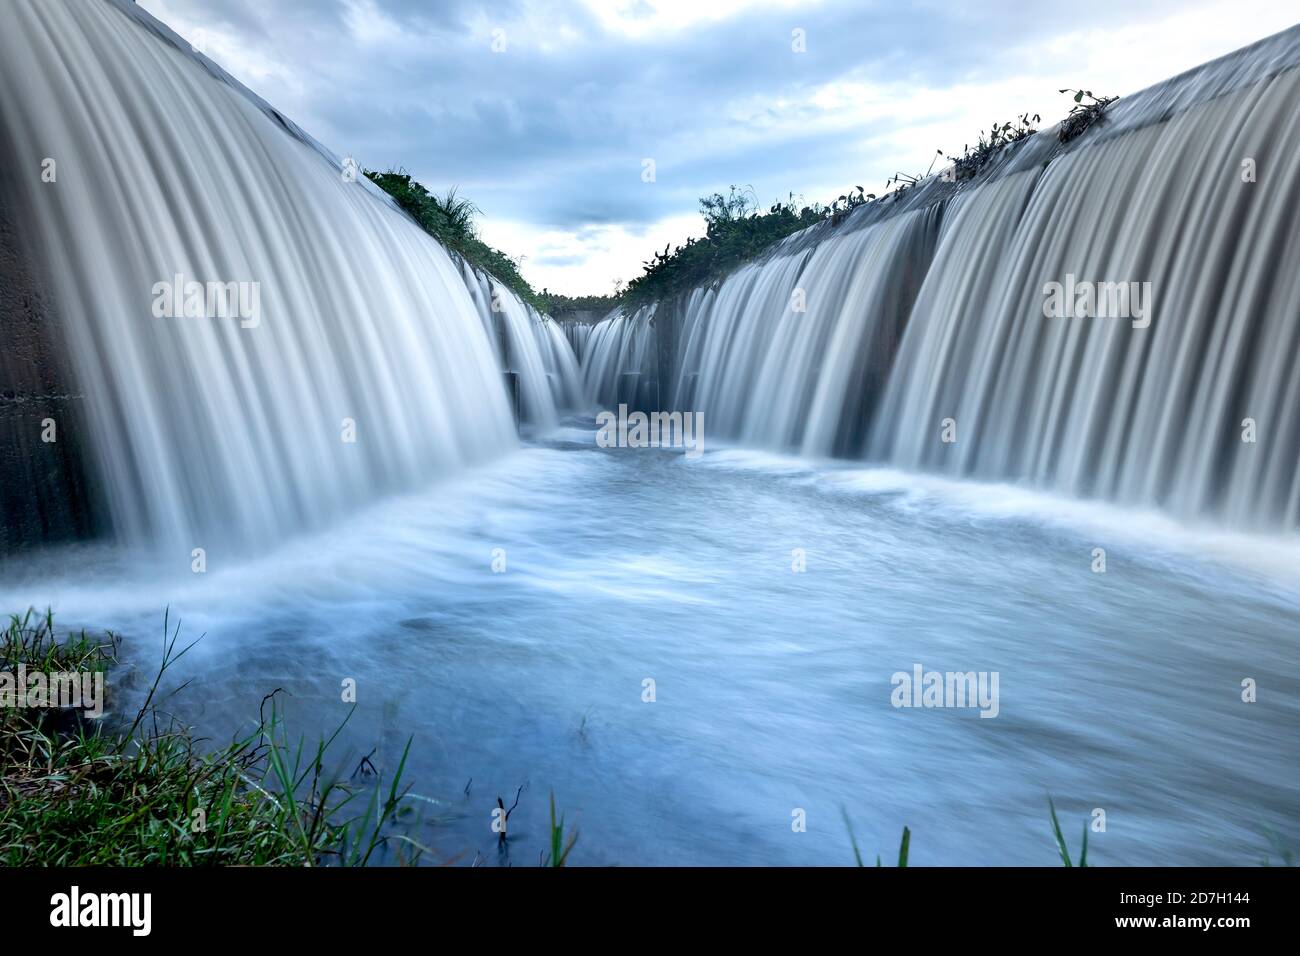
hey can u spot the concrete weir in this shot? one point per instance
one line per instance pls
(44, 490)
(174, 428)
(932, 313)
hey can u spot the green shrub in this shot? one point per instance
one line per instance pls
(450, 220)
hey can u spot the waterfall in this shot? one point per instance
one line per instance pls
(560, 362)
(917, 332)
(1103, 407)
(578, 335)
(617, 360)
(531, 346)
(350, 359)
(826, 315)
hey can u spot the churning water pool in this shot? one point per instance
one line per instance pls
(773, 688)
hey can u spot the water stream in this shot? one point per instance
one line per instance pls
(1118, 691)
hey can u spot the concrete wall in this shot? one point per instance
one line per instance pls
(44, 492)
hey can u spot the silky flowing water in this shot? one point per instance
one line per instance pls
(1118, 690)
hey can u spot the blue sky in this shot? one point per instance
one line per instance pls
(543, 113)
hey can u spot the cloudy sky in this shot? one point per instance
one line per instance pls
(544, 113)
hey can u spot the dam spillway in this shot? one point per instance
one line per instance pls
(139, 170)
(860, 340)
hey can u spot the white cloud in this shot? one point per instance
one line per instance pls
(227, 49)
(640, 18)
(603, 253)
(555, 130)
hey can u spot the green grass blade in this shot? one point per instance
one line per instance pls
(1060, 837)
(853, 840)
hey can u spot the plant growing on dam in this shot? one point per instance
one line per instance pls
(976, 157)
(450, 219)
(555, 304)
(736, 231)
(737, 228)
(1087, 110)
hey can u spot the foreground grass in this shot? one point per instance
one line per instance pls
(75, 792)
(904, 846)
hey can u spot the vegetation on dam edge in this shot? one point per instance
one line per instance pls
(737, 228)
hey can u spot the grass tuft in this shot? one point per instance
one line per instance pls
(143, 793)
(1061, 845)
(857, 854)
(560, 847)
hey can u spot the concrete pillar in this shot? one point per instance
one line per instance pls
(629, 390)
(512, 392)
(667, 321)
(45, 495)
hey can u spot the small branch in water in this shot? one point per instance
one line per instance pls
(505, 820)
(365, 767)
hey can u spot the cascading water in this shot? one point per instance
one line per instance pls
(863, 340)
(537, 398)
(354, 364)
(1152, 415)
(530, 345)
(560, 362)
(828, 314)
(618, 360)
(578, 335)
